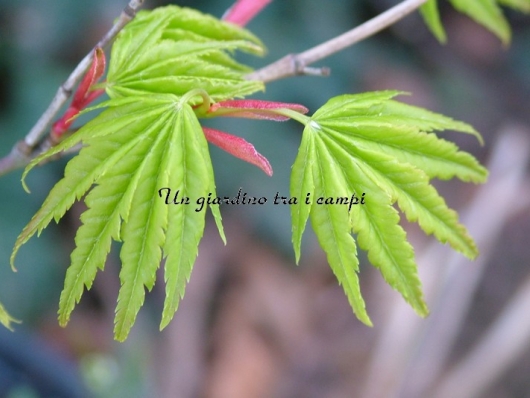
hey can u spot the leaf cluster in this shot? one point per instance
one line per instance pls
(166, 69)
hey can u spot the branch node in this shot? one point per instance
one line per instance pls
(23, 148)
(300, 67)
(129, 12)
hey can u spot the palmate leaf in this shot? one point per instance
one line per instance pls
(131, 150)
(148, 138)
(488, 13)
(383, 152)
(174, 50)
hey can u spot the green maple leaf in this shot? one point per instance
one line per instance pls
(370, 144)
(131, 150)
(175, 50)
(167, 67)
(487, 13)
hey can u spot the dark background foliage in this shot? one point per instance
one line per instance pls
(252, 324)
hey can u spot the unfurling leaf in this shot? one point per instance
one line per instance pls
(239, 148)
(361, 154)
(175, 50)
(144, 164)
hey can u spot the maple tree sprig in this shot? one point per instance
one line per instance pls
(161, 81)
(238, 147)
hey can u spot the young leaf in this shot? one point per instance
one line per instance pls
(173, 23)
(361, 154)
(106, 203)
(133, 152)
(175, 50)
(83, 95)
(238, 147)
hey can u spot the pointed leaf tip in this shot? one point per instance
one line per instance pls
(431, 16)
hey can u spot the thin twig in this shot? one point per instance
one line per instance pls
(297, 64)
(24, 151)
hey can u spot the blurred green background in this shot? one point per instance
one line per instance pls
(252, 325)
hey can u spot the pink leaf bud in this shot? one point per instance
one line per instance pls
(238, 147)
